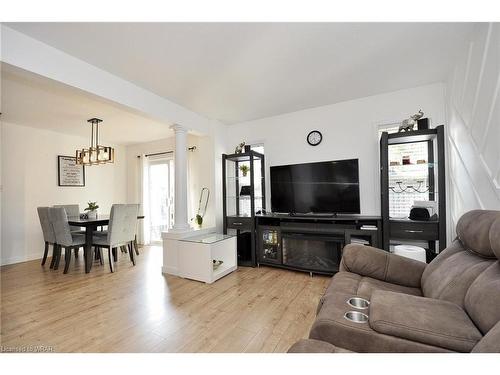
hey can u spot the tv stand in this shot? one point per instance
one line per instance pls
(311, 242)
(321, 214)
(309, 214)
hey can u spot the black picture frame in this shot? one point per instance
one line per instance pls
(63, 180)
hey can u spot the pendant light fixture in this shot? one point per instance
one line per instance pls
(95, 154)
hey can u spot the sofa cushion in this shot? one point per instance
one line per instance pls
(449, 276)
(315, 346)
(482, 301)
(473, 230)
(425, 320)
(331, 326)
(495, 237)
(345, 282)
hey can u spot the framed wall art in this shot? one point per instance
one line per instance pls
(68, 172)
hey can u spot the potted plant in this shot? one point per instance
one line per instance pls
(199, 220)
(92, 210)
(244, 169)
(204, 196)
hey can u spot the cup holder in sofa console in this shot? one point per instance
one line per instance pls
(356, 317)
(358, 303)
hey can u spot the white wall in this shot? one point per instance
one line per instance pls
(201, 174)
(29, 176)
(349, 131)
(219, 136)
(201, 171)
(473, 115)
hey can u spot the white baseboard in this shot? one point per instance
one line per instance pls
(21, 259)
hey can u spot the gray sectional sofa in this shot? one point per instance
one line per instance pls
(449, 305)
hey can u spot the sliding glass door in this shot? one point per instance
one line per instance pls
(160, 194)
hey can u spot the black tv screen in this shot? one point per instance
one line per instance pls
(324, 187)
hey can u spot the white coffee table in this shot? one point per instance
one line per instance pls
(196, 255)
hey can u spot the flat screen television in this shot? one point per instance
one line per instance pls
(324, 187)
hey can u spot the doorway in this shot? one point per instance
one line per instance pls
(160, 189)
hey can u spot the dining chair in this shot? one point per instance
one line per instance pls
(123, 249)
(121, 232)
(49, 236)
(72, 210)
(64, 237)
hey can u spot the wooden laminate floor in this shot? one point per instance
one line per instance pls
(137, 309)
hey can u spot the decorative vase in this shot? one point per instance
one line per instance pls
(92, 214)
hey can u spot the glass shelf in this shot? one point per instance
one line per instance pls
(402, 167)
(208, 238)
(245, 156)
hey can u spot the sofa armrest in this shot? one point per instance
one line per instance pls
(382, 265)
(425, 320)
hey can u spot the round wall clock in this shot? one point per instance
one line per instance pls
(314, 138)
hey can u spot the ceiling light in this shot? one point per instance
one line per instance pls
(95, 154)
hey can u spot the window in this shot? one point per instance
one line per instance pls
(159, 180)
(408, 179)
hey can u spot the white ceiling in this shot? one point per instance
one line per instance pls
(235, 72)
(35, 101)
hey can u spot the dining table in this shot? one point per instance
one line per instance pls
(91, 225)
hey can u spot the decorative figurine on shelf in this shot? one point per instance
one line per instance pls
(417, 116)
(409, 123)
(244, 169)
(239, 149)
(199, 215)
(92, 210)
(406, 126)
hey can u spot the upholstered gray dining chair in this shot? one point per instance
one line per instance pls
(48, 234)
(121, 232)
(123, 249)
(64, 237)
(72, 210)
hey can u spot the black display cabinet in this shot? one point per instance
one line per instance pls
(244, 194)
(403, 180)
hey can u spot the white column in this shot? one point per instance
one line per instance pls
(181, 188)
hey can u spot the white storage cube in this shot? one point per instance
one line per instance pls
(410, 251)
